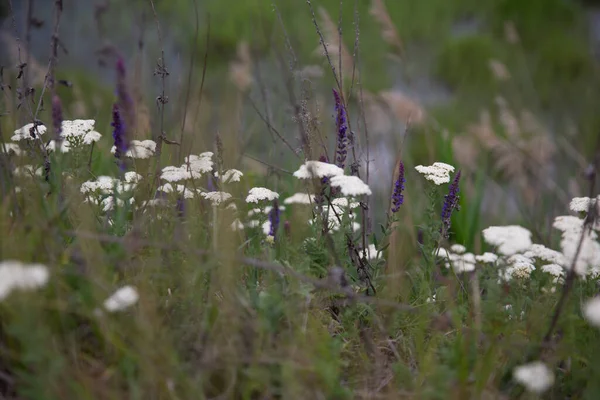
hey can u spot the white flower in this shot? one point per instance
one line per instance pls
(80, 131)
(553, 269)
(268, 209)
(24, 132)
(122, 299)
(181, 189)
(317, 169)
(535, 376)
(461, 262)
(509, 239)
(28, 170)
(300, 198)
(438, 173)
(545, 254)
(108, 203)
(132, 177)
(11, 147)
(260, 193)
(591, 311)
(65, 146)
(141, 149)
(266, 227)
(253, 223)
(231, 175)
(372, 253)
(237, 225)
(487, 258)
(441, 252)
(15, 275)
(103, 184)
(580, 204)
(199, 164)
(177, 174)
(216, 198)
(350, 185)
(343, 202)
(519, 267)
(588, 255)
(458, 248)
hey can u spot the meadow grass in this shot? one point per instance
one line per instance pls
(180, 268)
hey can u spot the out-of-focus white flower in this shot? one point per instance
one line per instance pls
(270, 239)
(237, 225)
(438, 173)
(217, 198)
(458, 248)
(65, 146)
(108, 203)
(11, 147)
(487, 258)
(199, 164)
(180, 189)
(509, 239)
(28, 170)
(24, 133)
(372, 253)
(266, 227)
(441, 252)
(141, 149)
(519, 267)
(122, 299)
(553, 269)
(344, 202)
(461, 262)
(15, 275)
(177, 174)
(231, 207)
(253, 223)
(300, 198)
(132, 177)
(317, 169)
(255, 211)
(350, 185)
(355, 226)
(586, 256)
(543, 253)
(257, 194)
(535, 376)
(581, 204)
(102, 184)
(231, 175)
(268, 209)
(591, 311)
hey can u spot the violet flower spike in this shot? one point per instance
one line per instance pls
(397, 195)
(274, 215)
(450, 203)
(57, 118)
(118, 135)
(342, 127)
(125, 103)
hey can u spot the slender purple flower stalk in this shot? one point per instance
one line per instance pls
(450, 203)
(57, 119)
(125, 103)
(274, 215)
(118, 136)
(342, 127)
(397, 196)
(180, 206)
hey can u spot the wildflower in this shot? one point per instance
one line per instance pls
(545, 254)
(519, 267)
(122, 299)
(177, 174)
(132, 177)
(318, 169)
(118, 134)
(260, 193)
(300, 198)
(139, 149)
(274, 215)
(237, 225)
(29, 132)
(350, 185)
(535, 376)
(372, 253)
(397, 196)
(458, 248)
(581, 204)
(270, 239)
(509, 239)
(487, 258)
(342, 127)
(217, 198)
(554, 270)
(11, 148)
(28, 170)
(199, 164)
(231, 175)
(57, 117)
(591, 311)
(450, 203)
(461, 262)
(15, 275)
(586, 256)
(438, 173)
(180, 189)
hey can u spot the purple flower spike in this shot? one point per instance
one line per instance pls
(450, 203)
(342, 127)
(274, 215)
(118, 135)
(397, 196)
(125, 103)
(57, 118)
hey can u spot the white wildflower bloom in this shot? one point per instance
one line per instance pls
(543, 253)
(253, 223)
(65, 146)
(108, 203)
(519, 267)
(155, 203)
(231, 207)
(257, 194)
(355, 226)
(237, 225)
(487, 258)
(268, 209)
(591, 311)
(431, 299)
(588, 255)
(509, 239)
(535, 376)
(28, 170)
(141, 149)
(372, 253)
(441, 252)
(11, 147)
(122, 299)
(458, 248)
(300, 198)
(24, 132)
(79, 131)
(177, 174)
(461, 262)
(317, 169)
(217, 198)
(231, 175)
(580, 204)
(266, 227)
(554, 270)
(350, 185)
(438, 173)
(15, 275)
(344, 202)
(199, 164)
(132, 177)
(255, 211)
(270, 239)
(180, 189)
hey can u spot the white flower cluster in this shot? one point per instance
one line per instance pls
(121, 299)
(24, 133)
(535, 376)
(231, 175)
(438, 173)
(318, 169)
(15, 275)
(193, 168)
(140, 149)
(257, 194)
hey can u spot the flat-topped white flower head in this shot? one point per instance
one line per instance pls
(231, 175)
(372, 253)
(11, 148)
(24, 133)
(28, 170)
(458, 248)
(487, 258)
(580, 204)
(300, 198)
(461, 263)
(438, 173)
(15, 275)
(591, 311)
(543, 253)
(350, 185)
(122, 299)
(510, 239)
(80, 131)
(554, 270)
(519, 267)
(179, 189)
(343, 202)
(535, 376)
(318, 169)
(257, 194)
(216, 198)
(237, 225)
(141, 149)
(201, 163)
(178, 174)
(132, 177)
